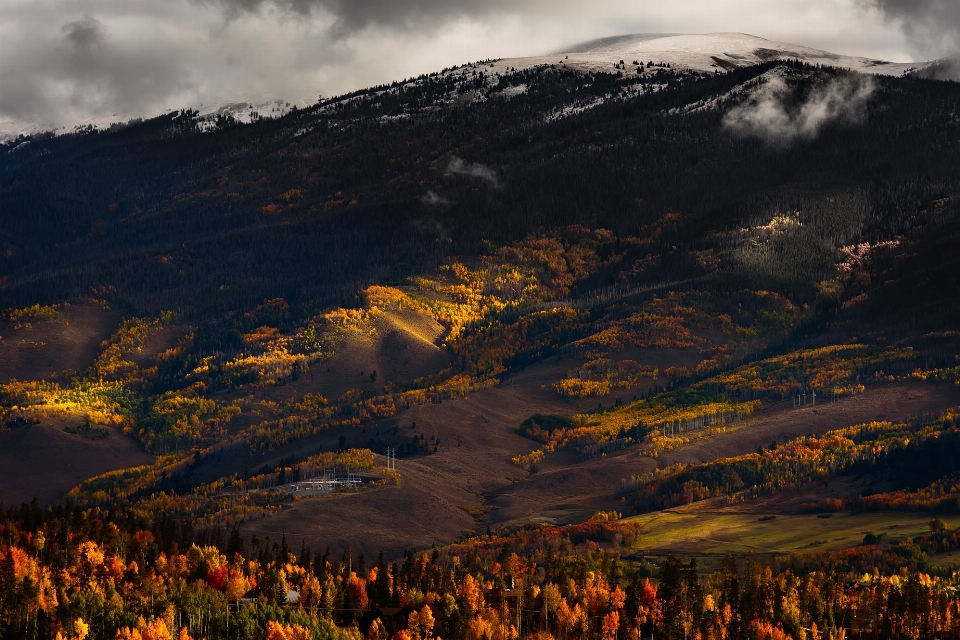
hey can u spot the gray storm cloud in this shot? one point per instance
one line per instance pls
(85, 34)
(931, 26)
(65, 62)
(78, 70)
(772, 114)
(133, 58)
(352, 15)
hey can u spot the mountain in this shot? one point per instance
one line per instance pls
(442, 163)
(239, 108)
(695, 311)
(698, 52)
(702, 52)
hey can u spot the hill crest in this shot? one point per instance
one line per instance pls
(710, 52)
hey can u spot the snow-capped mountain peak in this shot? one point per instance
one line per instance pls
(627, 54)
(700, 52)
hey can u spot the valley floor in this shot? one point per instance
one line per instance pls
(470, 485)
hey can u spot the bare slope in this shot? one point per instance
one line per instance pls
(477, 438)
(568, 490)
(470, 483)
(397, 346)
(44, 462)
(707, 529)
(780, 422)
(45, 349)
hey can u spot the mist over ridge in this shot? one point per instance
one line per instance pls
(104, 85)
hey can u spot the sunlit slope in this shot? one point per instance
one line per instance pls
(387, 348)
(44, 342)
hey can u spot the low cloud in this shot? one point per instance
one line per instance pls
(430, 198)
(479, 171)
(945, 69)
(66, 62)
(77, 69)
(932, 27)
(775, 114)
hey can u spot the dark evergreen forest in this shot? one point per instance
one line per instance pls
(377, 185)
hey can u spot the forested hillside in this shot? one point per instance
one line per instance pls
(371, 188)
(526, 338)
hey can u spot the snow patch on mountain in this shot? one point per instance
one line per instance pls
(242, 109)
(629, 55)
(703, 53)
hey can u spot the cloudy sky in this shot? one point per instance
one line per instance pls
(69, 61)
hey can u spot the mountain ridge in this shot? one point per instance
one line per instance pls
(614, 300)
(713, 52)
